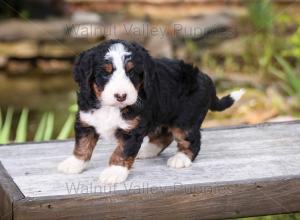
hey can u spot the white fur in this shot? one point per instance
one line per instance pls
(72, 165)
(148, 149)
(179, 160)
(105, 120)
(113, 174)
(236, 95)
(119, 83)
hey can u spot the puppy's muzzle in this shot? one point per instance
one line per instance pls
(120, 97)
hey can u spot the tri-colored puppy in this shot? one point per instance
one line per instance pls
(126, 95)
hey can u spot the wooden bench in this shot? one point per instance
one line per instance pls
(240, 171)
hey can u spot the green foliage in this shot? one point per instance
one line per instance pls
(294, 45)
(14, 8)
(261, 15)
(260, 51)
(69, 124)
(39, 135)
(22, 126)
(267, 52)
(25, 14)
(45, 128)
(192, 50)
(6, 128)
(1, 120)
(289, 76)
(66, 129)
(49, 126)
(209, 61)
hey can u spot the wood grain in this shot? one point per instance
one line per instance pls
(240, 171)
(211, 201)
(9, 193)
(258, 152)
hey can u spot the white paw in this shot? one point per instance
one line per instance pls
(114, 174)
(179, 160)
(236, 95)
(72, 165)
(148, 150)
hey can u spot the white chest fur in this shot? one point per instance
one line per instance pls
(105, 120)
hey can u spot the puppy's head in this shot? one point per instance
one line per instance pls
(113, 72)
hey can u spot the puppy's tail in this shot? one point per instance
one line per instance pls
(226, 101)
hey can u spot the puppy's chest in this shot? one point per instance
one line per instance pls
(105, 120)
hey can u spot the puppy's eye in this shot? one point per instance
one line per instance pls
(108, 68)
(129, 66)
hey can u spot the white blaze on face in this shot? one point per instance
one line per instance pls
(119, 83)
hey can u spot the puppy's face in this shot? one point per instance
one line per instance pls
(118, 75)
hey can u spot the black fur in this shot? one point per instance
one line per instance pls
(171, 93)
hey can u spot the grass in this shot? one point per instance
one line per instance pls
(293, 49)
(289, 77)
(6, 127)
(44, 131)
(261, 15)
(21, 133)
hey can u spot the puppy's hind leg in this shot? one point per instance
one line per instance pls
(188, 144)
(155, 143)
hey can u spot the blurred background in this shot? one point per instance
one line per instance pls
(251, 44)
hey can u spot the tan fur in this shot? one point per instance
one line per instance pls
(108, 68)
(97, 91)
(161, 140)
(84, 147)
(133, 123)
(183, 145)
(128, 66)
(117, 158)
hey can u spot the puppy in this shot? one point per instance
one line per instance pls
(128, 96)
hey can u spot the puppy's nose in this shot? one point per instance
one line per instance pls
(120, 97)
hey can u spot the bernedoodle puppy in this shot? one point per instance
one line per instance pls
(141, 102)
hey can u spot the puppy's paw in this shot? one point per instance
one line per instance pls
(179, 160)
(72, 165)
(114, 174)
(148, 150)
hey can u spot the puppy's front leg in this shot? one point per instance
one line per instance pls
(85, 142)
(122, 158)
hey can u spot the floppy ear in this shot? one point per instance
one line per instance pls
(83, 74)
(148, 68)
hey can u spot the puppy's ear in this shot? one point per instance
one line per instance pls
(83, 74)
(148, 68)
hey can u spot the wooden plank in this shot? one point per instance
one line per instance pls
(239, 154)
(9, 193)
(241, 171)
(208, 201)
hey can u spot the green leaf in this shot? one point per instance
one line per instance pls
(278, 73)
(73, 108)
(21, 133)
(5, 132)
(261, 14)
(284, 64)
(295, 82)
(67, 128)
(39, 134)
(287, 89)
(291, 76)
(1, 120)
(49, 127)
